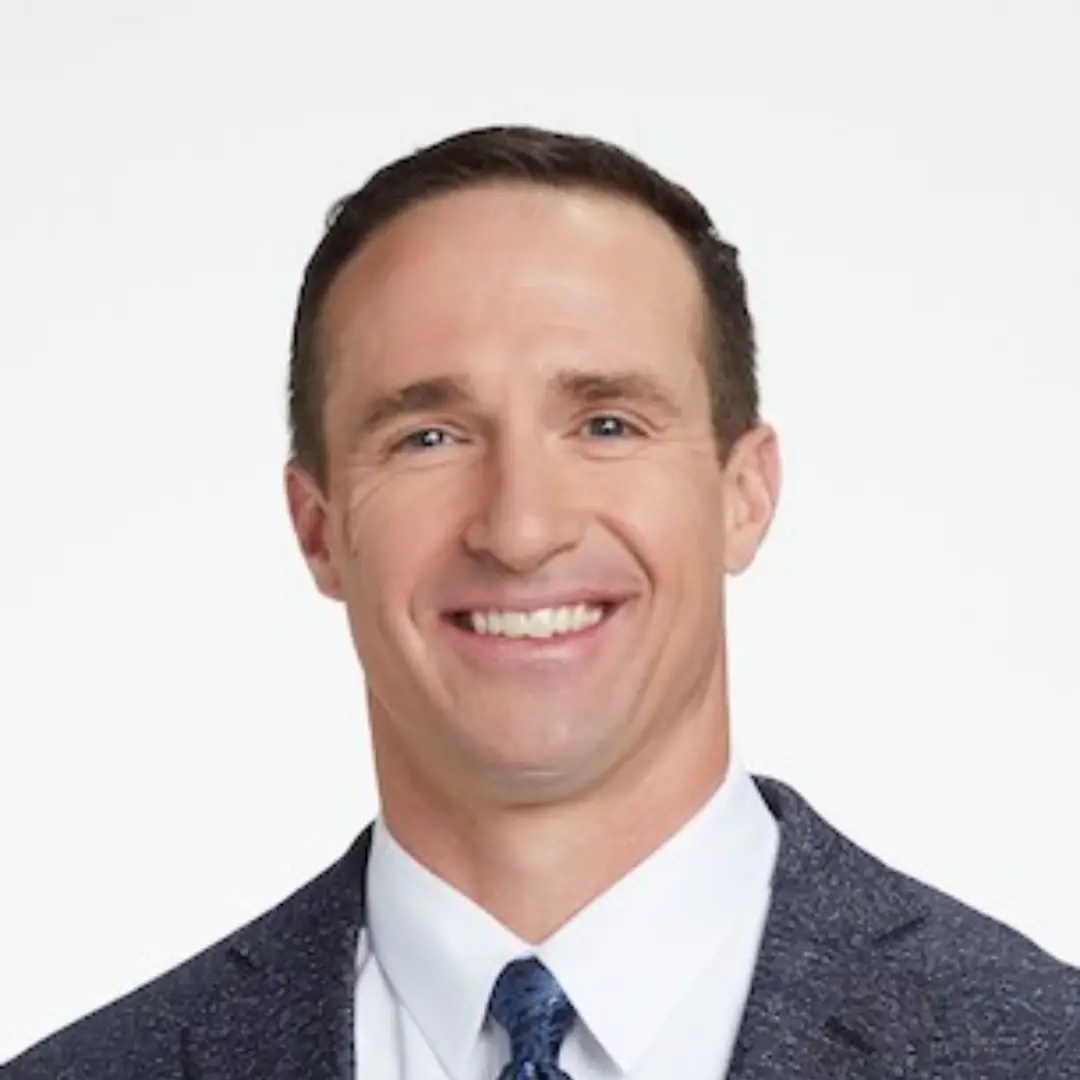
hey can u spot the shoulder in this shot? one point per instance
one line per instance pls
(138, 1035)
(923, 976)
(141, 1036)
(975, 995)
(994, 991)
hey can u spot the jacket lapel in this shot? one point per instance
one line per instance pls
(827, 1002)
(284, 1010)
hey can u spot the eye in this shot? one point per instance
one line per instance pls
(609, 426)
(429, 438)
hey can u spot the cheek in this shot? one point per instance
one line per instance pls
(675, 509)
(391, 537)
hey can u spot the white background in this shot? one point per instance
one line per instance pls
(182, 735)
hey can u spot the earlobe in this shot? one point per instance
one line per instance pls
(310, 521)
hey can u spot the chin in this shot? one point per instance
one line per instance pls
(543, 775)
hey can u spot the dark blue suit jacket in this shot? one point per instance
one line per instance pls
(864, 974)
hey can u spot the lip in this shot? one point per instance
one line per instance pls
(562, 650)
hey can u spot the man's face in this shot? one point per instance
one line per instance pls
(526, 514)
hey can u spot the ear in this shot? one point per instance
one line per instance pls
(311, 522)
(751, 491)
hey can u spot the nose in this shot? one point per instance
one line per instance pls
(525, 509)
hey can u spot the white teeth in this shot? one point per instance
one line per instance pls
(542, 623)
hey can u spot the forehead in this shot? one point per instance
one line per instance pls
(514, 267)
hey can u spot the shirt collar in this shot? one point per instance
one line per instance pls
(441, 952)
(667, 918)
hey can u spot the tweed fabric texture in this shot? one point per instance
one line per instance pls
(863, 974)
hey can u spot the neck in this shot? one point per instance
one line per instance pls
(534, 867)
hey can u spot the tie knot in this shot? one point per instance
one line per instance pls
(533, 1010)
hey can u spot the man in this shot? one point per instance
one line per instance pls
(526, 453)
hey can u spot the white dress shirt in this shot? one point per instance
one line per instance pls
(658, 967)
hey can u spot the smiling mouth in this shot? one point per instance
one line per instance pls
(541, 624)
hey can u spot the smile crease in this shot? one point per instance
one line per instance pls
(539, 623)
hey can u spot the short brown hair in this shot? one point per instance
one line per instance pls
(556, 159)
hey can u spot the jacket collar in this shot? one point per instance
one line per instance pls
(825, 1000)
(284, 1007)
(829, 997)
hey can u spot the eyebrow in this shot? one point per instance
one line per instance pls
(425, 395)
(610, 387)
(447, 392)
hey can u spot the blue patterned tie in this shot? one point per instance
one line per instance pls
(532, 1009)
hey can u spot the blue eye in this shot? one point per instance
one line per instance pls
(430, 438)
(607, 426)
